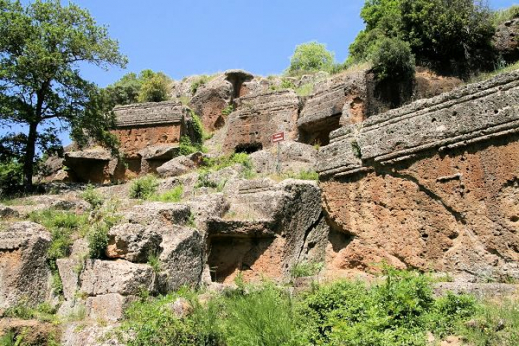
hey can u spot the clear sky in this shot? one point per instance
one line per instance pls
(186, 37)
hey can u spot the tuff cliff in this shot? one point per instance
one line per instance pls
(432, 185)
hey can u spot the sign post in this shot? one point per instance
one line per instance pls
(277, 138)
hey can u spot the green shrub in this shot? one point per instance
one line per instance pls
(144, 188)
(494, 324)
(305, 175)
(310, 57)
(198, 130)
(186, 147)
(155, 89)
(305, 89)
(200, 81)
(398, 311)
(263, 316)
(303, 269)
(152, 322)
(61, 225)
(228, 110)
(92, 196)
(11, 177)
(449, 36)
(98, 240)
(173, 195)
(392, 59)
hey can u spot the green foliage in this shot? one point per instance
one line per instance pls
(155, 88)
(310, 57)
(228, 110)
(125, 91)
(198, 130)
(494, 324)
(398, 311)
(154, 262)
(392, 59)
(42, 46)
(186, 147)
(263, 316)
(174, 195)
(221, 162)
(144, 188)
(200, 81)
(304, 269)
(153, 322)
(62, 225)
(449, 36)
(501, 16)
(149, 86)
(93, 197)
(101, 220)
(97, 240)
(302, 175)
(305, 89)
(11, 177)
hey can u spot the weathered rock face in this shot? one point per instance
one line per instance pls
(506, 40)
(258, 117)
(433, 185)
(293, 156)
(24, 273)
(211, 99)
(342, 97)
(266, 230)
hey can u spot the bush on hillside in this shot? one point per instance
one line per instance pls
(392, 59)
(310, 57)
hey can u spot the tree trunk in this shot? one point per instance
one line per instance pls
(30, 152)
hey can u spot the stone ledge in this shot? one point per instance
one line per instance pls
(477, 112)
(149, 114)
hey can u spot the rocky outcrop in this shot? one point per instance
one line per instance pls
(339, 100)
(293, 157)
(24, 272)
(213, 97)
(265, 230)
(258, 117)
(433, 185)
(506, 40)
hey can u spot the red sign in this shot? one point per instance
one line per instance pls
(278, 137)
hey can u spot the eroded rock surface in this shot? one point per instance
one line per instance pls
(258, 117)
(433, 185)
(24, 272)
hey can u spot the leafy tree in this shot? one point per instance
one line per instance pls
(41, 47)
(124, 91)
(148, 86)
(155, 88)
(452, 36)
(392, 58)
(311, 57)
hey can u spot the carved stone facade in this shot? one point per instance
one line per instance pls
(433, 185)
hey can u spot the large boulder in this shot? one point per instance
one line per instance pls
(104, 277)
(180, 165)
(25, 276)
(183, 257)
(133, 242)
